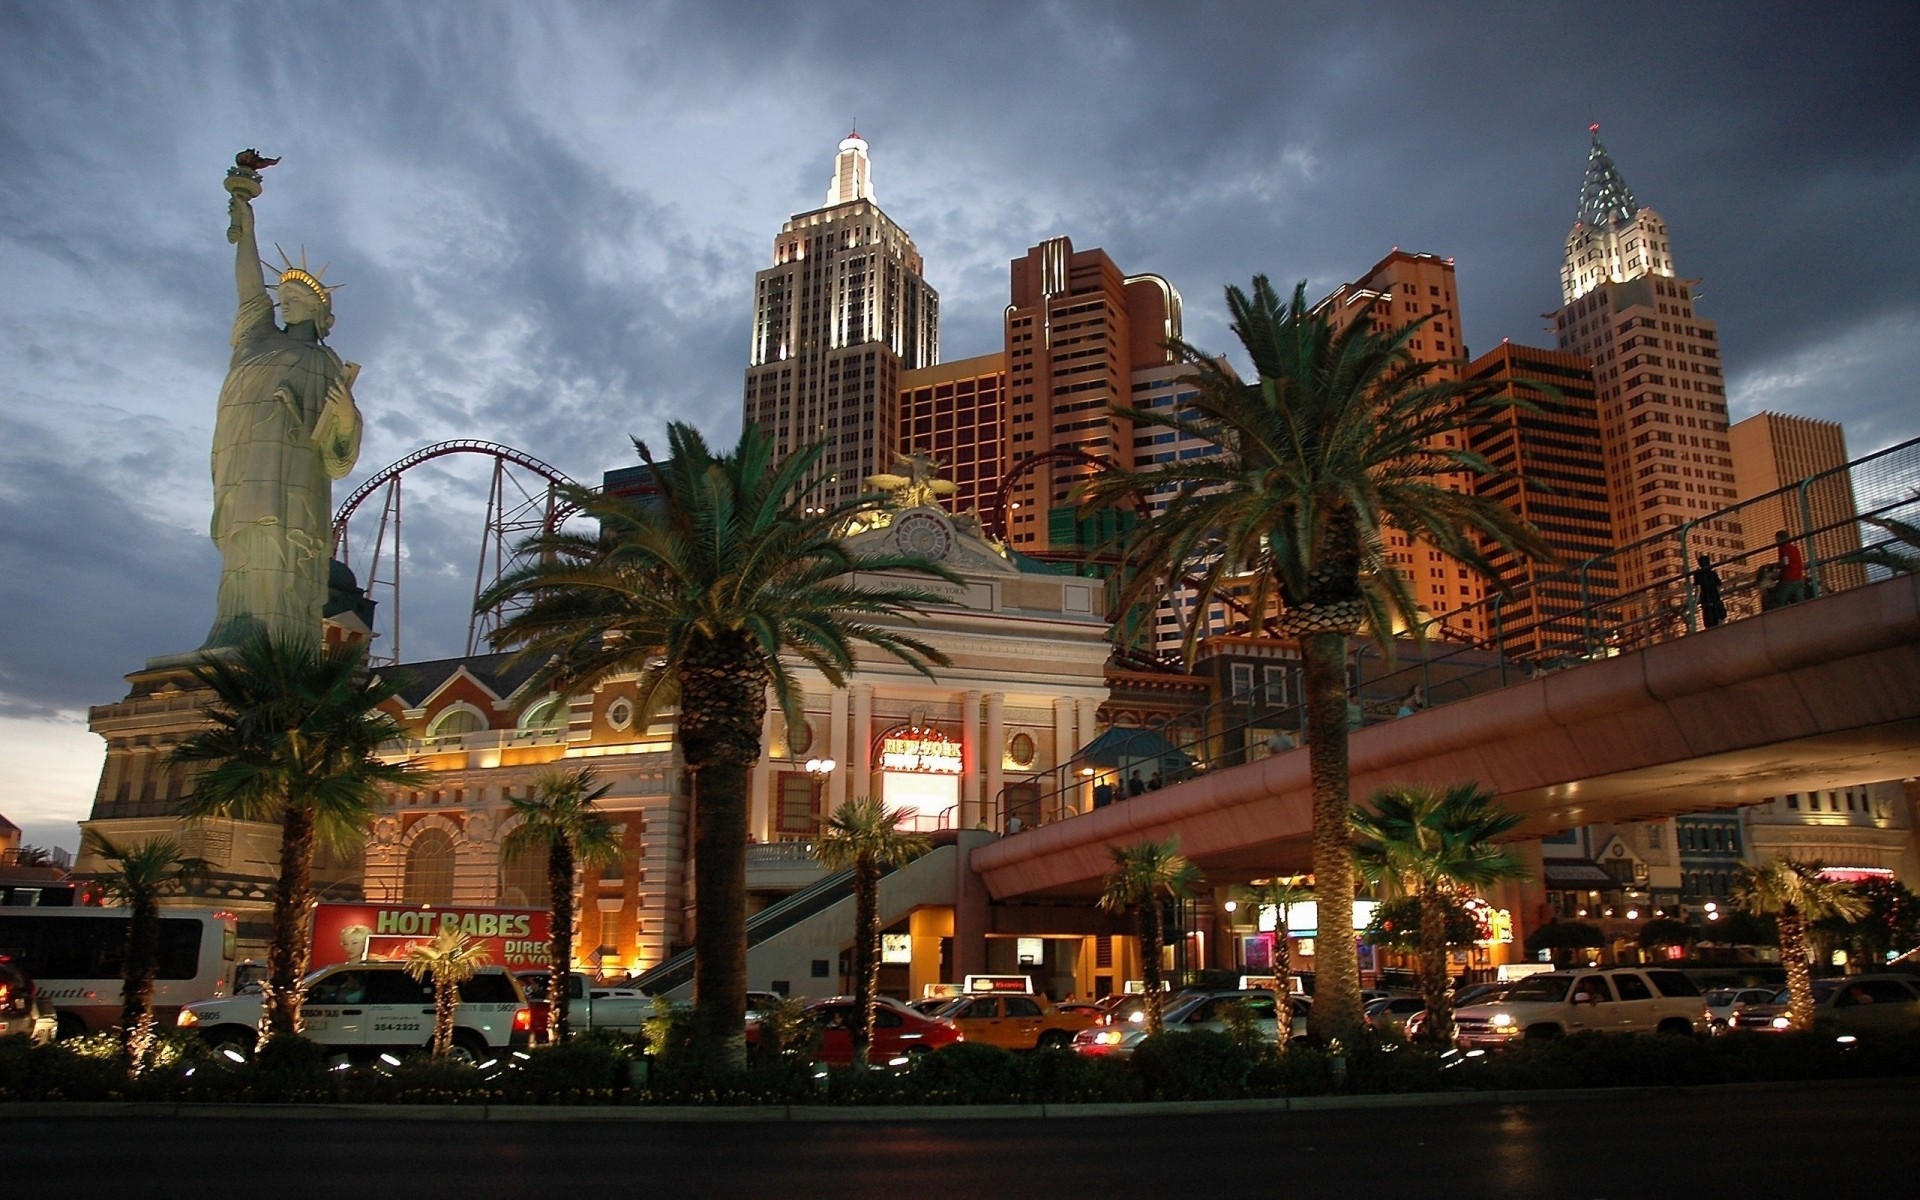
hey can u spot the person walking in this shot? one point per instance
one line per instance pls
(1706, 584)
(1792, 587)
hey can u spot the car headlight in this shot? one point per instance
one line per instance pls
(188, 1017)
(1501, 1021)
(1108, 1038)
(1782, 1023)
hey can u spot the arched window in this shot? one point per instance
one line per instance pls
(455, 721)
(429, 875)
(523, 878)
(545, 714)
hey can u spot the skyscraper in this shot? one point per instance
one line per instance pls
(956, 413)
(841, 313)
(1078, 331)
(1400, 289)
(1551, 475)
(1772, 451)
(1657, 376)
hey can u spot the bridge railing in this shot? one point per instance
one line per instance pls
(1573, 614)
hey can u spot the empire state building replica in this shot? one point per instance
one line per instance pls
(840, 313)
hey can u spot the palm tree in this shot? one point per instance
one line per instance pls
(865, 835)
(295, 736)
(1339, 438)
(450, 959)
(1795, 894)
(559, 816)
(1281, 893)
(1899, 554)
(1425, 843)
(1143, 875)
(142, 873)
(707, 590)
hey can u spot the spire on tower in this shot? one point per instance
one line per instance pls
(1604, 197)
(852, 172)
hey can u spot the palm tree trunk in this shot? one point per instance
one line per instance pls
(866, 955)
(443, 998)
(292, 925)
(1433, 969)
(560, 945)
(1282, 982)
(1336, 991)
(722, 705)
(1793, 955)
(136, 994)
(1153, 935)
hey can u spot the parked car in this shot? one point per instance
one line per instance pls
(1855, 1005)
(1723, 1003)
(1389, 1015)
(1014, 1021)
(1609, 1000)
(1208, 1012)
(1480, 993)
(899, 1033)
(23, 1010)
(368, 1008)
(623, 1010)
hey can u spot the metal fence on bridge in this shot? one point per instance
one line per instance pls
(1832, 517)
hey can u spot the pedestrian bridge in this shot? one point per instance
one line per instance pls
(1823, 694)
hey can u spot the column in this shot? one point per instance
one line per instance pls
(1066, 786)
(993, 748)
(970, 813)
(837, 741)
(859, 766)
(1089, 720)
(760, 789)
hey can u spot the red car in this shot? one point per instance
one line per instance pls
(899, 1033)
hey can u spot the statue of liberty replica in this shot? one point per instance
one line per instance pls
(286, 429)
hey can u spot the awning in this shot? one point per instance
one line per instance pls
(1119, 747)
(1583, 875)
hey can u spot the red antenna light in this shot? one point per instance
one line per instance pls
(1594, 128)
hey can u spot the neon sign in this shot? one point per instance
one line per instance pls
(925, 751)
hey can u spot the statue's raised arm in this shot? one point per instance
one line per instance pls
(244, 183)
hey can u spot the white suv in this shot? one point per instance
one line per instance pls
(367, 1008)
(1611, 1000)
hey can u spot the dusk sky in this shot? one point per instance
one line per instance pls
(547, 218)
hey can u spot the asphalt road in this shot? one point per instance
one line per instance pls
(1854, 1140)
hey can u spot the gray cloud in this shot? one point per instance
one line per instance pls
(548, 217)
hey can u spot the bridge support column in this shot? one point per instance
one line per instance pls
(972, 909)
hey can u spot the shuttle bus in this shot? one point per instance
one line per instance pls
(75, 957)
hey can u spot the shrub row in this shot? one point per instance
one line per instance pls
(1193, 1066)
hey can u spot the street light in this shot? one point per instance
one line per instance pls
(818, 769)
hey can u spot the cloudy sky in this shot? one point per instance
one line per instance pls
(547, 218)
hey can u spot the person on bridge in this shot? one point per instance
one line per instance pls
(1706, 583)
(1792, 587)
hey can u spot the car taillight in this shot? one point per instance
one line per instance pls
(522, 1019)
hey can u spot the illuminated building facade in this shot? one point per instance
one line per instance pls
(841, 313)
(1400, 289)
(1773, 451)
(1077, 332)
(956, 413)
(1552, 476)
(1657, 375)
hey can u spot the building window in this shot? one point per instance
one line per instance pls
(454, 722)
(1240, 682)
(429, 871)
(798, 815)
(523, 878)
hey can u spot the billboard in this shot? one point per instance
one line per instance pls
(515, 938)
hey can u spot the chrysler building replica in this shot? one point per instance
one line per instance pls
(1661, 397)
(843, 310)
